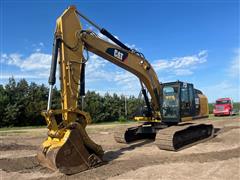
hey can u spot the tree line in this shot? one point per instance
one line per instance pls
(22, 102)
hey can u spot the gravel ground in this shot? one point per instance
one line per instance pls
(218, 158)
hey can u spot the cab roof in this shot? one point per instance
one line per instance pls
(223, 99)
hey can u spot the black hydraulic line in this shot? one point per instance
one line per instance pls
(52, 77)
(144, 92)
(105, 32)
(88, 20)
(110, 36)
(82, 80)
(157, 96)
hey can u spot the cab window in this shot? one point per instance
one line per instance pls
(170, 102)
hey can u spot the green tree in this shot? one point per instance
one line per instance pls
(10, 90)
(3, 104)
(22, 100)
(11, 113)
(37, 101)
(94, 105)
(22, 103)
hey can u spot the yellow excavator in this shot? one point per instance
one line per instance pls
(68, 148)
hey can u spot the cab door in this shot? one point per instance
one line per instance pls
(170, 103)
(187, 104)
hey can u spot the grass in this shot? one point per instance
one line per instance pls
(109, 124)
(211, 116)
(113, 122)
(21, 129)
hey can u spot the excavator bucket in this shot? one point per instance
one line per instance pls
(73, 153)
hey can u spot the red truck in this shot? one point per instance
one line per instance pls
(223, 106)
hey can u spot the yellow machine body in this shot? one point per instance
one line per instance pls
(68, 147)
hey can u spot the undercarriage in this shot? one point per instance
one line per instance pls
(167, 137)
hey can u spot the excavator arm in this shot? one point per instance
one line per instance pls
(71, 40)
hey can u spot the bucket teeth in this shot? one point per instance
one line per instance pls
(94, 160)
(74, 153)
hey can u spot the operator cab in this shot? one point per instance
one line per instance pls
(179, 100)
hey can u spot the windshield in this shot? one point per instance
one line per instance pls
(169, 96)
(170, 102)
(223, 102)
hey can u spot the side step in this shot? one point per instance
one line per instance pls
(179, 137)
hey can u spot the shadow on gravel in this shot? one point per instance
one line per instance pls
(22, 165)
(111, 155)
(17, 164)
(216, 131)
(227, 128)
(14, 146)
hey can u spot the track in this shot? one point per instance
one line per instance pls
(126, 135)
(179, 137)
(172, 138)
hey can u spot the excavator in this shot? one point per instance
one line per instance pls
(167, 117)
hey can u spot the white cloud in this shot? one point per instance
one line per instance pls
(126, 80)
(183, 72)
(38, 47)
(19, 76)
(3, 56)
(96, 69)
(41, 44)
(95, 62)
(100, 71)
(181, 65)
(116, 80)
(12, 59)
(34, 66)
(36, 61)
(38, 50)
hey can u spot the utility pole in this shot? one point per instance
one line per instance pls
(82, 102)
(126, 106)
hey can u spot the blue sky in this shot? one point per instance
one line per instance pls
(193, 41)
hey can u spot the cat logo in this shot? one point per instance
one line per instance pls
(119, 54)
